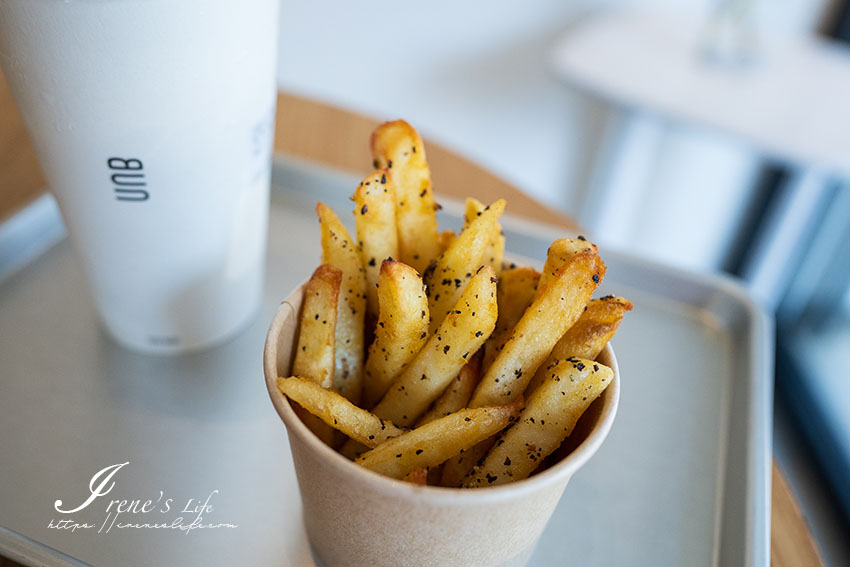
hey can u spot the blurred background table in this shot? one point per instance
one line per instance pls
(331, 136)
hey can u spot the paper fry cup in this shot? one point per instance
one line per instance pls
(355, 517)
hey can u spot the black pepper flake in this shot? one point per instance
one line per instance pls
(363, 209)
(580, 366)
(491, 479)
(389, 164)
(478, 333)
(418, 451)
(596, 368)
(414, 149)
(317, 316)
(446, 349)
(398, 456)
(580, 237)
(383, 179)
(424, 377)
(423, 315)
(372, 262)
(595, 278)
(494, 280)
(381, 324)
(467, 419)
(371, 437)
(507, 461)
(374, 164)
(438, 207)
(423, 335)
(423, 193)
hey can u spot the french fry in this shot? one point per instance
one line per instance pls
(445, 239)
(396, 146)
(516, 290)
(550, 416)
(556, 308)
(456, 395)
(336, 411)
(448, 276)
(456, 469)
(314, 354)
(340, 251)
(377, 233)
(401, 330)
(417, 476)
(495, 249)
(431, 444)
(560, 252)
(586, 339)
(458, 337)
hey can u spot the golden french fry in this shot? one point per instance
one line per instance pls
(556, 308)
(560, 252)
(339, 413)
(401, 330)
(377, 234)
(431, 444)
(458, 337)
(456, 395)
(340, 251)
(417, 476)
(448, 276)
(550, 416)
(588, 336)
(445, 239)
(314, 354)
(456, 469)
(396, 146)
(495, 249)
(516, 290)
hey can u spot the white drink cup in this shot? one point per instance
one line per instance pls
(153, 123)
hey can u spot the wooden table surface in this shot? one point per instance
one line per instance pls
(331, 136)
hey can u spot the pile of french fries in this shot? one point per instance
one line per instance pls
(475, 370)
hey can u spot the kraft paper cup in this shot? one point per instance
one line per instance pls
(355, 517)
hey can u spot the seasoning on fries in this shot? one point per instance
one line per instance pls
(459, 339)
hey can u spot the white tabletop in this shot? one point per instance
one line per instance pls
(792, 104)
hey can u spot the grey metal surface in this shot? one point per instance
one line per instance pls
(683, 478)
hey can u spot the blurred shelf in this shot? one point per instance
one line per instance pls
(790, 103)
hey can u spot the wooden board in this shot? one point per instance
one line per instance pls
(337, 138)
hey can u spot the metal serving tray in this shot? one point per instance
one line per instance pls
(683, 478)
